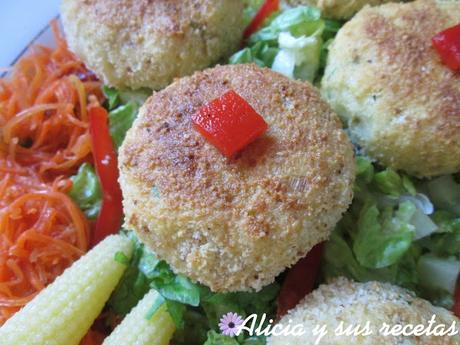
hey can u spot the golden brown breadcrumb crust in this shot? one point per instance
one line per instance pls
(358, 303)
(386, 80)
(234, 224)
(337, 9)
(145, 43)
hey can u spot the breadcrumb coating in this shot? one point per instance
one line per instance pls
(354, 304)
(387, 82)
(143, 43)
(337, 9)
(235, 224)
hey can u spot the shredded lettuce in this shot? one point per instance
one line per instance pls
(331, 27)
(298, 57)
(445, 193)
(446, 241)
(398, 230)
(420, 200)
(438, 273)
(175, 287)
(250, 9)
(113, 97)
(299, 21)
(260, 53)
(86, 190)
(193, 307)
(121, 119)
(132, 286)
(195, 330)
(393, 184)
(423, 225)
(291, 42)
(339, 260)
(121, 258)
(116, 98)
(382, 237)
(244, 303)
(215, 338)
(146, 271)
(123, 108)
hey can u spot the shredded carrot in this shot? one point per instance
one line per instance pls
(44, 138)
(43, 110)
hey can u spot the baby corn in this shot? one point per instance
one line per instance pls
(62, 313)
(136, 329)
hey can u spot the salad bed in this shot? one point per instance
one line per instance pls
(399, 229)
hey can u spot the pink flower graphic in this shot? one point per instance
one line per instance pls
(230, 323)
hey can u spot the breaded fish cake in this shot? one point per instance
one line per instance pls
(337, 9)
(234, 224)
(142, 43)
(355, 304)
(385, 79)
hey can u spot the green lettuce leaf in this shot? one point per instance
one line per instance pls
(195, 330)
(243, 303)
(86, 190)
(331, 27)
(438, 273)
(215, 338)
(299, 21)
(444, 191)
(241, 57)
(177, 312)
(260, 53)
(120, 120)
(446, 242)
(113, 97)
(389, 182)
(382, 238)
(133, 284)
(250, 9)
(123, 107)
(298, 58)
(254, 341)
(176, 287)
(339, 260)
(144, 272)
(390, 233)
(193, 307)
(290, 42)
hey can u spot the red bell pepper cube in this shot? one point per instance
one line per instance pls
(447, 44)
(229, 123)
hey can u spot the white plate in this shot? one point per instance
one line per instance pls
(44, 37)
(21, 21)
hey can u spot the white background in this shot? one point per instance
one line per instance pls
(20, 22)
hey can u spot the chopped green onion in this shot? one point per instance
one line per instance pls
(121, 258)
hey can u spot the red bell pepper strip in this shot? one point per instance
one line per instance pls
(456, 308)
(268, 7)
(300, 280)
(447, 43)
(229, 123)
(105, 159)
